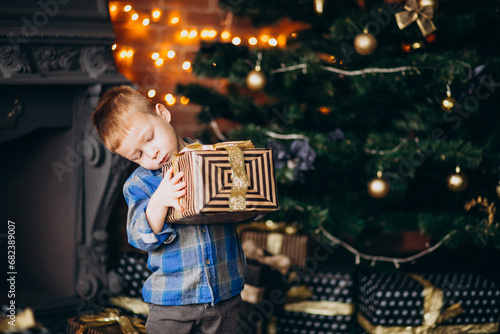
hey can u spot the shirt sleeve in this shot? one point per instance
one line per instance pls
(137, 193)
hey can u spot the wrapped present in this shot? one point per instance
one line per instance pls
(108, 321)
(133, 270)
(21, 321)
(323, 303)
(428, 303)
(225, 182)
(278, 238)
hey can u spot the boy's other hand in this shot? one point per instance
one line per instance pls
(170, 190)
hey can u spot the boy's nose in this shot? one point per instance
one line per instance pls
(153, 153)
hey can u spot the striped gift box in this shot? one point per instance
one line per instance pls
(208, 177)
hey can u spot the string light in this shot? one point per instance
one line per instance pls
(170, 99)
(184, 33)
(113, 47)
(151, 93)
(130, 53)
(374, 258)
(145, 22)
(171, 54)
(193, 33)
(135, 17)
(212, 33)
(264, 38)
(236, 41)
(174, 20)
(127, 8)
(353, 73)
(186, 65)
(273, 42)
(252, 41)
(155, 56)
(159, 62)
(123, 54)
(225, 35)
(113, 8)
(184, 100)
(156, 14)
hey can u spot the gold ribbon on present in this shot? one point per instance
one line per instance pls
(134, 305)
(111, 316)
(433, 317)
(413, 12)
(239, 187)
(321, 307)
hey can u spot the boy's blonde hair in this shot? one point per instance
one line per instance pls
(114, 115)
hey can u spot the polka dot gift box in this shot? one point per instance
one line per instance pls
(428, 303)
(133, 269)
(330, 309)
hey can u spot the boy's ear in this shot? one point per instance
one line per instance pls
(163, 112)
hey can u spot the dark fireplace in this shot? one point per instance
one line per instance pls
(58, 183)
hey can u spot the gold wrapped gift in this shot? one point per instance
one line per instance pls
(108, 321)
(226, 182)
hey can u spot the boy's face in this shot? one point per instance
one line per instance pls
(151, 141)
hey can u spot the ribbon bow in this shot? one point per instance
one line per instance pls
(110, 316)
(423, 15)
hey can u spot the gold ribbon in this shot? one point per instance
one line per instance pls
(268, 226)
(110, 316)
(135, 305)
(239, 187)
(321, 307)
(22, 321)
(433, 317)
(423, 15)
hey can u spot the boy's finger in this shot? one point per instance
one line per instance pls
(179, 194)
(178, 186)
(177, 206)
(168, 174)
(177, 177)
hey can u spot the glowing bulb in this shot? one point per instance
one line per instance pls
(273, 42)
(151, 93)
(457, 169)
(127, 8)
(112, 8)
(159, 62)
(170, 99)
(145, 22)
(184, 100)
(155, 56)
(156, 14)
(225, 35)
(252, 41)
(171, 102)
(236, 41)
(193, 33)
(113, 47)
(281, 40)
(174, 20)
(186, 65)
(184, 33)
(204, 33)
(135, 17)
(264, 38)
(130, 53)
(171, 54)
(212, 33)
(123, 54)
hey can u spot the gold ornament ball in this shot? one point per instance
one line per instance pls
(256, 80)
(365, 44)
(378, 187)
(448, 103)
(457, 182)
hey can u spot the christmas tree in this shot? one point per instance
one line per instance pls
(382, 115)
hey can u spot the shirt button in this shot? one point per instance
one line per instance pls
(203, 230)
(207, 261)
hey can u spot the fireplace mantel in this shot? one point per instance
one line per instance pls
(59, 184)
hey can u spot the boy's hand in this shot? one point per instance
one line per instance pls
(166, 195)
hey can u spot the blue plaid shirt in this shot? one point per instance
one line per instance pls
(191, 264)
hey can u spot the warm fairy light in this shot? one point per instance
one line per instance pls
(171, 54)
(112, 8)
(145, 22)
(159, 62)
(123, 54)
(212, 33)
(155, 56)
(170, 99)
(171, 102)
(184, 100)
(151, 93)
(186, 65)
(193, 33)
(113, 47)
(174, 20)
(282, 40)
(156, 14)
(204, 33)
(130, 53)
(252, 41)
(135, 17)
(457, 169)
(236, 41)
(127, 8)
(273, 42)
(184, 33)
(225, 35)
(264, 38)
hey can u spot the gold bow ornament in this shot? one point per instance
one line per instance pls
(413, 12)
(433, 317)
(111, 316)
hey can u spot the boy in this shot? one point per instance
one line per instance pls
(197, 270)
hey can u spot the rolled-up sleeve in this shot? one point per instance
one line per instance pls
(137, 191)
